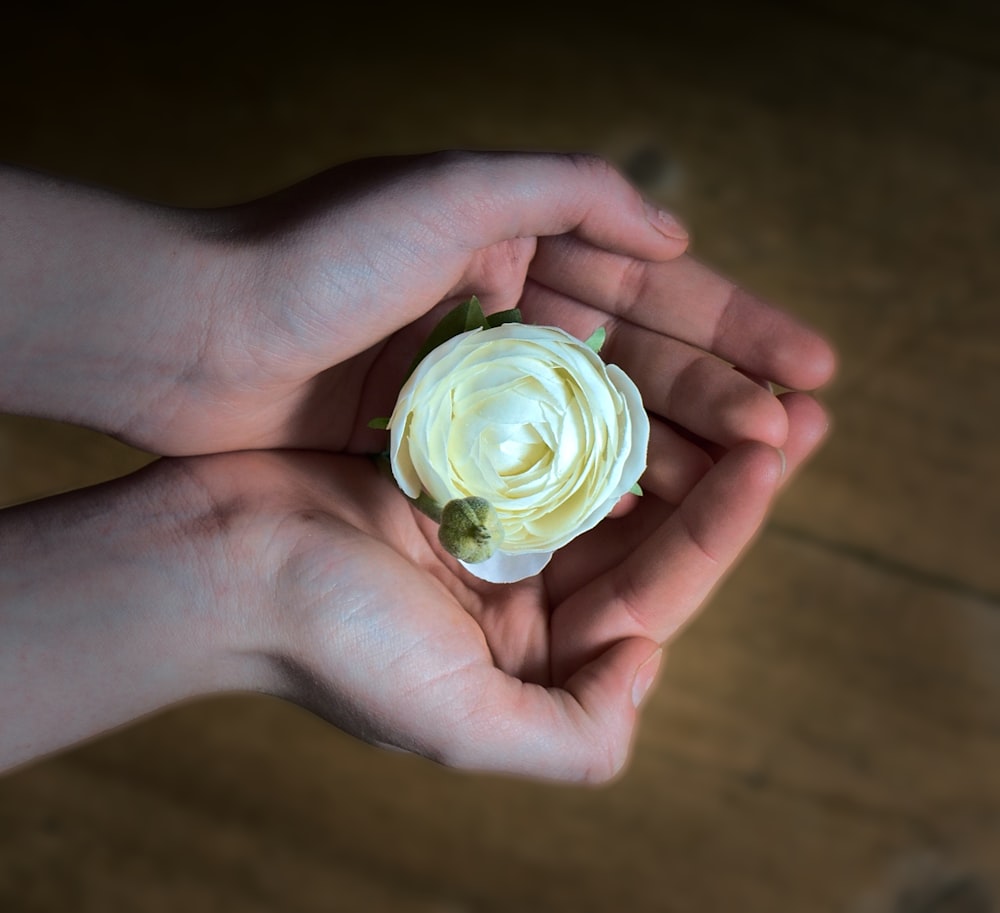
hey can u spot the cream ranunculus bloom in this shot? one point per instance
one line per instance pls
(530, 419)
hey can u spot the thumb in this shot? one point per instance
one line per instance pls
(610, 689)
(581, 732)
(500, 196)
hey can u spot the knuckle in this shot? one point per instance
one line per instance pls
(502, 264)
(632, 283)
(593, 164)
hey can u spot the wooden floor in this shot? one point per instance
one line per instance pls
(827, 735)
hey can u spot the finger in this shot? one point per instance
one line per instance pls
(678, 381)
(696, 390)
(493, 197)
(596, 552)
(674, 465)
(611, 543)
(809, 425)
(687, 300)
(662, 581)
(581, 732)
(496, 274)
(709, 530)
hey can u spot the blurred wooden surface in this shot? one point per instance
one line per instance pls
(827, 735)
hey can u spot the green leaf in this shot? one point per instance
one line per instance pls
(379, 424)
(636, 490)
(502, 317)
(467, 316)
(596, 339)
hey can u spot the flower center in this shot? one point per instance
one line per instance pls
(514, 450)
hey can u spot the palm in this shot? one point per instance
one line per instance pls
(409, 649)
(402, 571)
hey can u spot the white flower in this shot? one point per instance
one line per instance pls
(530, 419)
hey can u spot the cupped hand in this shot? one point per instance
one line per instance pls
(310, 576)
(380, 632)
(316, 299)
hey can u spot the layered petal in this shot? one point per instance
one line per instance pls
(530, 419)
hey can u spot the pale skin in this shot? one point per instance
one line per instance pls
(268, 553)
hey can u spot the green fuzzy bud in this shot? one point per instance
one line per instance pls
(470, 529)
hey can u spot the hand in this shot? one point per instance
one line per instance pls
(259, 325)
(389, 638)
(289, 322)
(332, 285)
(309, 576)
(353, 268)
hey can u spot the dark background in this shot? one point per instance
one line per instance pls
(826, 736)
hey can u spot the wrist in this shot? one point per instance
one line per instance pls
(118, 601)
(105, 307)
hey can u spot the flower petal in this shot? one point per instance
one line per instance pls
(503, 567)
(529, 419)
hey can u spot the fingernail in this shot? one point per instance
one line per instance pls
(666, 224)
(645, 676)
(784, 463)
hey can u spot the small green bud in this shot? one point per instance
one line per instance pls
(470, 529)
